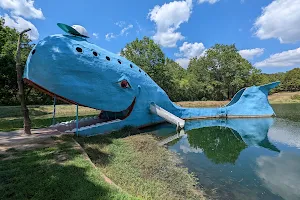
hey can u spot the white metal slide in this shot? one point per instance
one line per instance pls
(169, 117)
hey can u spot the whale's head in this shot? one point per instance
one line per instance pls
(76, 71)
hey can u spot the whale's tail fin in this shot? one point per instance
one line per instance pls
(252, 101)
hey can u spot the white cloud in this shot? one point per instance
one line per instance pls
(120, 23)
(23, 8)
(251, 53)
(96, 35)
(168, 19)
(191, 50)
(21, 24)
(283, 59)
(139, 28)
(208, 1)
(124, 31)
(110, 36)
(168, 38)
(280, 19)
(183, 62)
(188, 51)
(271, 169)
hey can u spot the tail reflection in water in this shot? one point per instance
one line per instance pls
(223, 140)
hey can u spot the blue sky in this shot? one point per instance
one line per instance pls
(267, 32)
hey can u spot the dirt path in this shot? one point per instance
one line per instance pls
(19, 141)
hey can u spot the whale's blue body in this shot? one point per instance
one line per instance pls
(77, 71)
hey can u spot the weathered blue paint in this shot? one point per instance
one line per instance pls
(93, 81)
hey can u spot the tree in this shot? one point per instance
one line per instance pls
(27, 122)
(291, 80)
(223, 70)
(220, 145)
(8, 75)
(148, 55)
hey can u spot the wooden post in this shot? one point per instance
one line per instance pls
(54, 110)
(21, 94)
(77, 120)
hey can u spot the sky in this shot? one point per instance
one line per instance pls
(266, 32)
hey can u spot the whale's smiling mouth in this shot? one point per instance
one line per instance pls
(103, 118)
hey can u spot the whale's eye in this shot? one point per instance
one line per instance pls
(95, 53)
(107, 58)
(78, 49)
(131, 66)
(119, 61)
(124, 84)
(33, 51)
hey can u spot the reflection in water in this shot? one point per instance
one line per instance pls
(219, 145)
(281, 174)
(286, 132)
(238, 159)
(223, 140)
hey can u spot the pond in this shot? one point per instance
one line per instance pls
(241, 158)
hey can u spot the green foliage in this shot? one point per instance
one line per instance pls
(220, 145)
(292, 80)
(221, 72)
(8, 74)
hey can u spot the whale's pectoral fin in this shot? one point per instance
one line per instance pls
(267, 87)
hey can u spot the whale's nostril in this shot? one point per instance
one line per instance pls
(79, 49)
(33, 51)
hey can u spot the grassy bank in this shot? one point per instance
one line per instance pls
(141, 167)
(58, 171)
(41, 116)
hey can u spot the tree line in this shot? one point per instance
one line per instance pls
(217, 75)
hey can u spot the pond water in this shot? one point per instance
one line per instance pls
(241, 158)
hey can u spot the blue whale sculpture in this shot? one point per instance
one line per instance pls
(79, 72)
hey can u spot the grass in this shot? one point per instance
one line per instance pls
(137, 164)
(41, 116)
(296, 97)
(284, 97)
(59, 171)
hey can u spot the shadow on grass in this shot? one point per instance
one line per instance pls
(15, 111)
(38, 175)
(94, 144)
